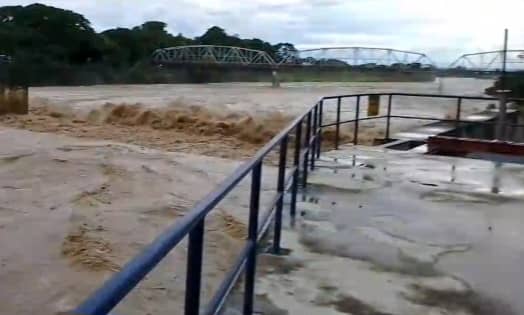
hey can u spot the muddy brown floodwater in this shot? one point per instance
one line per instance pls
(93, 174)
(224, 120)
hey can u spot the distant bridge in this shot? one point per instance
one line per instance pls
(363, 57)
(490, 61)
(212, 54)
(329, 56)
(357, 56)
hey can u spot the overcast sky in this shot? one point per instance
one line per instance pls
(444, 29)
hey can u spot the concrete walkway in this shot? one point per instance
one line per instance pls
(422, 133)
(400, 233)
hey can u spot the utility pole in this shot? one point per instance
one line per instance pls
(501, 128)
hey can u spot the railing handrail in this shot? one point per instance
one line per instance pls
(119, 285)
(451, 96)
(464, 97)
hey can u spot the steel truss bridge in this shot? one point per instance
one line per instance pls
(212, 54)
(356, 56)
(336, 56)
(490, 61)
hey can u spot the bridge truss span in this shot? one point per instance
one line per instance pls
(357, 56)
(490, 61)
(328, 56)
(212, 54)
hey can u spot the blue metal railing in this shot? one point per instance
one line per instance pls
(357, 119)
(307, 149)
(116, 288)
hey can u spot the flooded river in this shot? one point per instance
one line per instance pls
(227, 120)
(94, 173)
(292, 98)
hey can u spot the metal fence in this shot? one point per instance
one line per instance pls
(192, 225)
(457, 119)
(306, 149)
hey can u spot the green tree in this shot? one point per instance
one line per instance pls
(217, 36)
(57, 33)
(514, 82)
(55, 46)
(122, 47)
(286, 51)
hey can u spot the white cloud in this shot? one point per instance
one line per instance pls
(444, 29)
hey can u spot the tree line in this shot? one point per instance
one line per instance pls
(513, 83)
(52, 45)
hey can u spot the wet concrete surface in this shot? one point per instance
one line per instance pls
(403, 233)
(422, 133)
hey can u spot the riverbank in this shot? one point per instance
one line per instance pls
(144, 73)
(213, 73)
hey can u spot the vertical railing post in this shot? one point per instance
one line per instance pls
(337, 126)
(319, 137)
(280, 190)
(296, 163)
(459, 110)
(313, 150)
(388, 118)
(194, 269)
(305, 164)
(458, 117)
(254, 204)
(357, 115)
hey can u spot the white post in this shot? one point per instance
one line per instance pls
(501, 128)
(275, 80)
